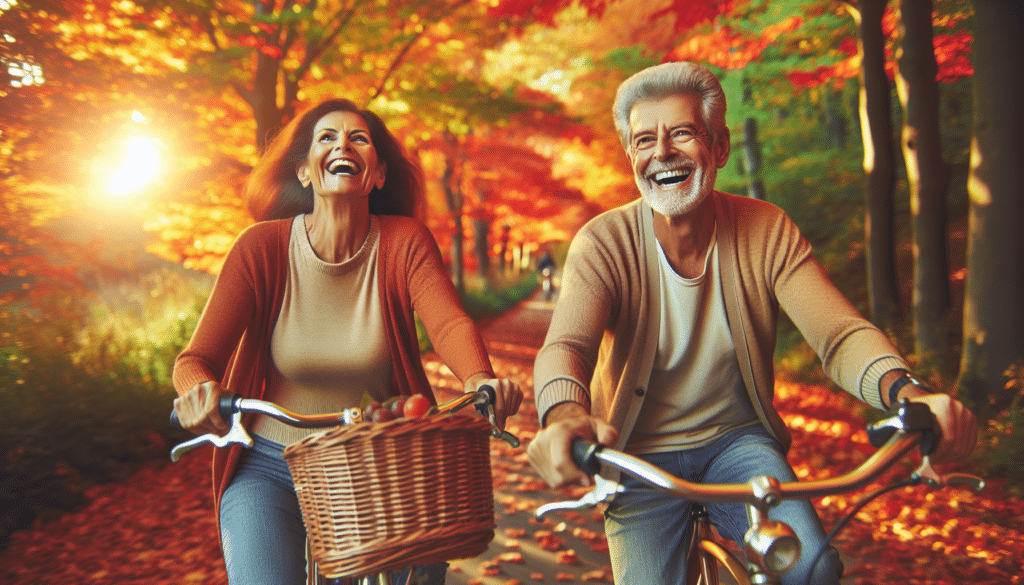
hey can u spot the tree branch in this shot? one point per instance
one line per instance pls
(400, 57)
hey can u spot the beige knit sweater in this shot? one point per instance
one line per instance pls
(603, 336)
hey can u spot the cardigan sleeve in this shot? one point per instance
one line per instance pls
(854, 352)
(228, 312)
(565, 364)
(452, 332)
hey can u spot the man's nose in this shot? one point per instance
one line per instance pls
(663, 146)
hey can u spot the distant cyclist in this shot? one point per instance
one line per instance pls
(662, 340)
(546, 268)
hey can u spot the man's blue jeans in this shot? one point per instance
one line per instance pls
(648, 530)
(261, 526)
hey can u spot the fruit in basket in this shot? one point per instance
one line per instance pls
(369, 409)
(396, 405)
(416, 406)
(383, 415)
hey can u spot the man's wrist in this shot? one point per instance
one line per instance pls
(901, 383)
(564, 410)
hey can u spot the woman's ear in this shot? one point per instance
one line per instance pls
(302, 172)
(382, 173)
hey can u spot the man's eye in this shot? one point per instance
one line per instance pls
(682, 135)
(644, 142)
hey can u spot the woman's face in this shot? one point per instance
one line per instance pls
(342, 159)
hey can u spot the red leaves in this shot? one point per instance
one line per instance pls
(690, 13)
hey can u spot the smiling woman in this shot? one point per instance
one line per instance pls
(141, 164)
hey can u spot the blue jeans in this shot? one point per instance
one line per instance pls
(261, 528)
(648, 530)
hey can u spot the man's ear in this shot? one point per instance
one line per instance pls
(722, 148)
(302, 172)
(382, 173)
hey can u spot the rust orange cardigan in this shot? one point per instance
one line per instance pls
(231, 342)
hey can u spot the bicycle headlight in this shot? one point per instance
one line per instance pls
(773, 545)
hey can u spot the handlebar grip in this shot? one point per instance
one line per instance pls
(908, 417)
(491, 394)
(225, 406)
(584, 455)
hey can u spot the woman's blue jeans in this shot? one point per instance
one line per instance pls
(261, 527)
(648, 530)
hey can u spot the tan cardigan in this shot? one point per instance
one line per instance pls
(604, 331)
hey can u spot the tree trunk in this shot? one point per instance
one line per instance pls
(879, 165)
(927, 174)
(452, 183)
(994, 305)
(752, 159)
(481, 229)
(263, 98)
(836, 124)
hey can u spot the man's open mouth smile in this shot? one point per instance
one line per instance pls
(343, 166)
(666, 178)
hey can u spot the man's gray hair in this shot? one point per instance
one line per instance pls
(671, 79)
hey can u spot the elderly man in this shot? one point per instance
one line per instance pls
(662, 341)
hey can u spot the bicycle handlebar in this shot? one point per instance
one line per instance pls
(232, 406)
(908, 425)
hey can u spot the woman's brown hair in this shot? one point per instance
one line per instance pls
(273, 190)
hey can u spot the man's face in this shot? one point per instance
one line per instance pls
(673, 161)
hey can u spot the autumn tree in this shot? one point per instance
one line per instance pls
(879, 163)
(927, 174)
(993, 308)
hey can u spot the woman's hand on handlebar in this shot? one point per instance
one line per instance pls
(198, 411)
(549, 451)
(959, 427)
(507, 395)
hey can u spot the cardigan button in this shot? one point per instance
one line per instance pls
(639, 391)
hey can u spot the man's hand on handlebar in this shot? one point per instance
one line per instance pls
(549, 451)
(959, 427)
(507, 395)
(197, 409)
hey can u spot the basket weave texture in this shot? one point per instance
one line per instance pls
(384, 496)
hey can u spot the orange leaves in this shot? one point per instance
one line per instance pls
(728, 49)
(547, 540)
(567, 557)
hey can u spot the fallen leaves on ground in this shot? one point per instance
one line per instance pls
(158, 527)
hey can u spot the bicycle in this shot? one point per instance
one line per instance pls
(771, 547)
(328, 468)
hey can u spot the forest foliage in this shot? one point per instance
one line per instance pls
(505, 103)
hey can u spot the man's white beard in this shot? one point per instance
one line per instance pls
(678, 202)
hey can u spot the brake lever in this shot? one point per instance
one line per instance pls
(926, 474)
(484, 404)
(589, 500)
(236, 435)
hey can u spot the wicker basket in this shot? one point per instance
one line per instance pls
(383, 496)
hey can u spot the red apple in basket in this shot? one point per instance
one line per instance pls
(416, 406)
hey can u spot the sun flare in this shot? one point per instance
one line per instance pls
(141, 164)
